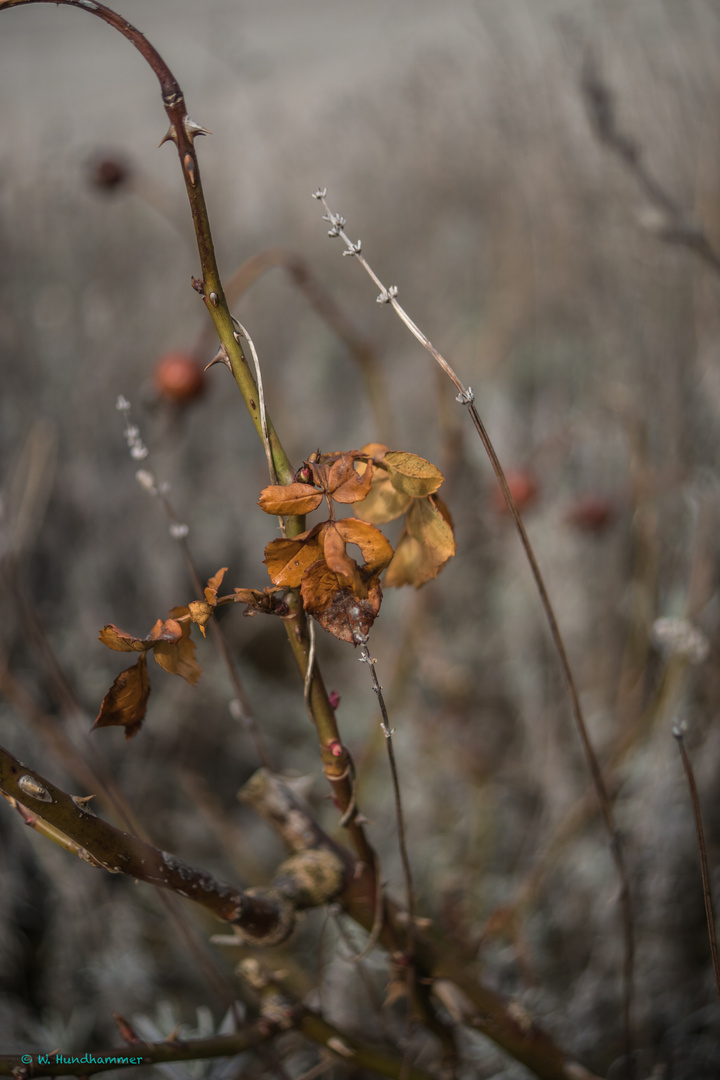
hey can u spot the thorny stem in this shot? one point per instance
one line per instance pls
(679, 733)
(321, 301)
(183, 132)
(465, 397)
(120, 852)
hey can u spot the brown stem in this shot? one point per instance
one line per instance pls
(498, 1018)
(260, 914)
(137, 1053)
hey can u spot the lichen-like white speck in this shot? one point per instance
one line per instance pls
(179, 530)
(32, 787)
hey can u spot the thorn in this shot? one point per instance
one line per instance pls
(169, 136)
(194, 129)
(213, 298)
(220, 357)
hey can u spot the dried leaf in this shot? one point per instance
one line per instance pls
(178, 657)
(125, 703)
(384, 502)
(287, 560)
(214, 583)
(376, 549)
(339, 562)
(265, 601)
(289, 499)
(345, 616)
(121, 641)
(344, 483)
(412, 475)
(425, 545)
(170, 630)
(201, 610)
(201, 613)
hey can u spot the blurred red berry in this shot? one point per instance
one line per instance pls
(109, 173)
(591, 513)
(179, 377)
(523, 488)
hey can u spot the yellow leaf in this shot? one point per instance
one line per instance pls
(425, 545)
(412, 475)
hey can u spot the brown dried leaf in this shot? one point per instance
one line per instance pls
(342, 614)
(121, 641)
(178, 657)
(339, 562)
(287, 560)
(125, 703)
(263, 601)
(425, 545)
(412, 475)
(289, 499)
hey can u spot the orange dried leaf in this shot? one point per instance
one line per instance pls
(201, 610)
(170, 630)
(289, 499)
(178, 657)
(339, 562)
(412, 475)
(201, 613)
(119, 640)
(214, 583)
(376, 549)
(287, 560)
(319, 585)
(344, 483)
(125, 703)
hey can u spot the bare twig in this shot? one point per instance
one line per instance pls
(679, 733)
(465, 396)
(672, 226)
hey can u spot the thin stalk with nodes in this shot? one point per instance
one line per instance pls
(465, 396)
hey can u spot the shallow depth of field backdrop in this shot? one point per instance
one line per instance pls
(455, 140)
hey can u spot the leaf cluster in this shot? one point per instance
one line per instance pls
(344, 595)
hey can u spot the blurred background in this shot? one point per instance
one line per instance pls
(455, 140)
